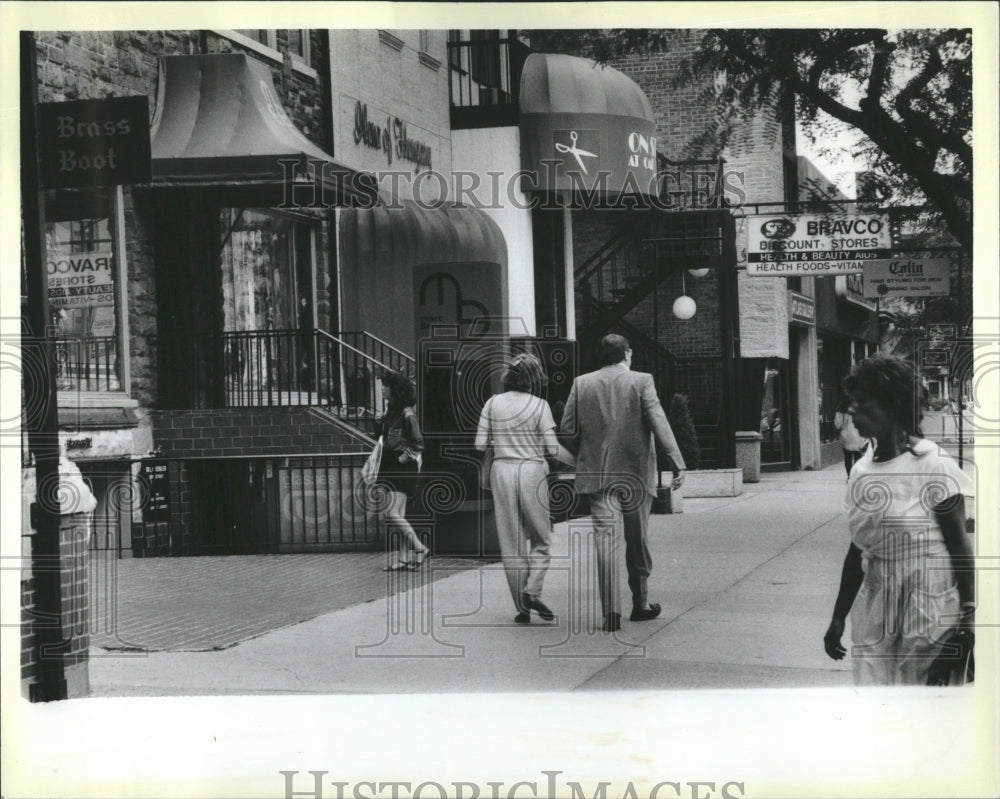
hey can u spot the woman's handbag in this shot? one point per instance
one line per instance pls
(486, 470)
(369, 472)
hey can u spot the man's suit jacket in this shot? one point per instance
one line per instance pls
(609, 423)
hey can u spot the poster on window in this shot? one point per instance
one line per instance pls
(81, 279)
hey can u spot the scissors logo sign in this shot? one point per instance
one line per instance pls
(576, 152)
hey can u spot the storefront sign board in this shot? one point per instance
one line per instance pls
(801, 309)
(80, 279)
(89, 143)
(815, 244)
(908, 277)
(600, 154)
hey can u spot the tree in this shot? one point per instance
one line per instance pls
(908, 92)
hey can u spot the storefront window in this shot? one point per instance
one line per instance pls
(775, 421)
(267, 299)
(83, 291)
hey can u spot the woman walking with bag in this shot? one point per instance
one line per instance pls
(908, 579)
(851, 441)
(399, 471)
(518, 425)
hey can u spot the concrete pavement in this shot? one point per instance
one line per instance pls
(746, 583)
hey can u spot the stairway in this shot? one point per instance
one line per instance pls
(625, 270)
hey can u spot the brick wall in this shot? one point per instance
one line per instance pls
(237, 432)
(74, 534)
(96, 64)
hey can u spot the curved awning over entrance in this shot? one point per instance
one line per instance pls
(585, 127)
(219, 121)
(406, 269)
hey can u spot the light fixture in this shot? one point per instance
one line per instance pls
(698, 272)
(684, 306)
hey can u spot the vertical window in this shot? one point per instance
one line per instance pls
(83, 290)
(426, 39)
(454, 49)
(485, 65)
(267, 300)
(298, 46)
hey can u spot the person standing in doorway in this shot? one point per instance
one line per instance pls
(611, 419)
(851, 441)
(399, 471)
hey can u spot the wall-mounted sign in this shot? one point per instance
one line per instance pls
(392, 138)
(601, 153)
(852, 289)
(80, 279)
(95, 142)
(801, 309)
(908, 277)
(155, 479)
(815, 244)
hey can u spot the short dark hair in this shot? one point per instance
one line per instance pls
(403, 392)
(611, 349)
(892, 382)
(525, 373)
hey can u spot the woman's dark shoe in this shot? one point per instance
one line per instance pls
(523, 617)
(535, 604)
(612, 622)
(645, 614)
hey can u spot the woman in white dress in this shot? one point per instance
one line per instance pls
(908, 577)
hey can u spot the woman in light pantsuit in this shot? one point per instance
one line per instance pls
(523, 434)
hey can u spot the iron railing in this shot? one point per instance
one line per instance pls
(286, 368)
(484, 81)
(87, 363)
(228, 506)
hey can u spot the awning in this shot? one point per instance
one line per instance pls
(219, 122)
(585, 127)
(407, 269)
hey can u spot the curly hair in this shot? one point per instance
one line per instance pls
(893, 383)
(525, 373)
(403, 393)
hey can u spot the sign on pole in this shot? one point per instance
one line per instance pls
(95, 142)
(815, 244)
(908, 277)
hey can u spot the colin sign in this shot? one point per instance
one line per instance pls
(815, 244)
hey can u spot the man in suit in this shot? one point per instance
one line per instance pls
(610, 421)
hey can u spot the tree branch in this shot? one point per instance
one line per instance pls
(922, 124)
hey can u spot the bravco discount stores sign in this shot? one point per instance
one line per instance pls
(816, 244)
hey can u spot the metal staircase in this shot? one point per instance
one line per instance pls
(625, 271)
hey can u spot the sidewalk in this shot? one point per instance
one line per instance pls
(746, 583)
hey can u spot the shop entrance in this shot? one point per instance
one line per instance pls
(267, 301)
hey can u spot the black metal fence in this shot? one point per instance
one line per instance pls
(87, 363)
(284, 368)
(228, 506)
(485, 80)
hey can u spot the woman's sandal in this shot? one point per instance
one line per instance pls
(418, 561)
(398, 566)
